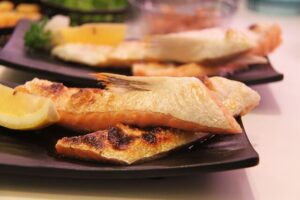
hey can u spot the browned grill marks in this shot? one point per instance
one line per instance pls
(118, 139)
(72, 140)
(83, 97)
(154, 130)
(92, 141)
(55, 87)
(150, 138)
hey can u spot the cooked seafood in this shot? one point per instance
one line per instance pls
(196, 69)
(266, 37)
(125, 145)
(186, 47)
(198, 46)
(147, 134)
(235, 96)
(86, 54)
(122, 55)
(183, 103)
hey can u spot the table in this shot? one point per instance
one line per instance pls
(273, 128)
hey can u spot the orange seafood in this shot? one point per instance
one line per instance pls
(183, 103)
(267, 38)
(124, 144)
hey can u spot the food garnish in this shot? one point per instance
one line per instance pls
(96, 34)
(37, 37)
(21, 111)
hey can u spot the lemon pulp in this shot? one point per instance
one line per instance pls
(23, 111)
(96, 34)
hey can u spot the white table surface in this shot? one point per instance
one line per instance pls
(273, 129)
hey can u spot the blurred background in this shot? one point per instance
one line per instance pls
(143, 16)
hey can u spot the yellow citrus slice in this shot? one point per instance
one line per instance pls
(21, 111)
(97, 34)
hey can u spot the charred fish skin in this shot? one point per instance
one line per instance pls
(125, 145)
(183, 103)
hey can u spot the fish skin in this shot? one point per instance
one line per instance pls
(136, 145)
(183, 103)
(196, 69)
(266, 36)
(125, 145)
(238, 98)
(269, 37)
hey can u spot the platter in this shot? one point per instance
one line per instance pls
(16, 56)
(31, 153)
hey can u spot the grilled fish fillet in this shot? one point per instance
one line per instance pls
(122, 55)
(199, 46)
(123, 144)
(86, 54)
(185, 47)
(195, 69)
(183, 103)
(235, 96)
(266, 37)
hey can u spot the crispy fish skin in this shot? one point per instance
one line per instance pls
(192, 46)
(200, 46)
(99, 56)
(86, 54)
(259, 40)
(238, 98)
(266, 37)
(183, 103)
(127, 145)
(195, 69)
(269, 37)
(123, 144)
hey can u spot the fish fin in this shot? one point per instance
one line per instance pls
(114, 81)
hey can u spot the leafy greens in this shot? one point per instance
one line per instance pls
(37, 38)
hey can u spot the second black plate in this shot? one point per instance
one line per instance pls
(15, 55)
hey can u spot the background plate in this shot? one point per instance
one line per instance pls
(15, 55)
(30, 153)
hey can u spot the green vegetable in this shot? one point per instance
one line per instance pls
(92, 4)
(36, 38)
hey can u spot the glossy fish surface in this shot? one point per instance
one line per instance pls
(183, 103)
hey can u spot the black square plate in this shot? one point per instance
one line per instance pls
(15, 55)
(30, 153)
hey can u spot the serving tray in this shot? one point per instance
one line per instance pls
(32, 153)
(16, 56)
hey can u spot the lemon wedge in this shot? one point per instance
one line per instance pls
(96, 34)
(21, 111)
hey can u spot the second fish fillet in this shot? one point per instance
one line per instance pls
(183, 103)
